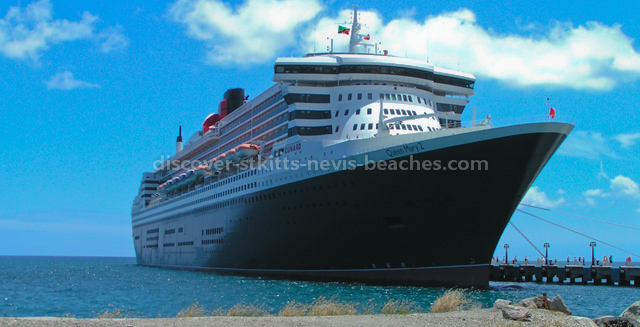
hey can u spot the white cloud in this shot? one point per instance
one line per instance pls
(255, 32)
(589, 56)
(112, 39)
(536, 197)
(627, 140)
(594, 193)
(66, 81)
(625, 186)
(594, 56)
(26, 33)
(587, 144)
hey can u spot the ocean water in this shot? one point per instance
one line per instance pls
(84, 287)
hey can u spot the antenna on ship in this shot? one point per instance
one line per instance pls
(179, 140)
(357, 38)
(355, 29)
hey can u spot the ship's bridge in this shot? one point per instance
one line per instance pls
(347, 68)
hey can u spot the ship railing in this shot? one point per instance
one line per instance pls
(503, 122)
(471, 125)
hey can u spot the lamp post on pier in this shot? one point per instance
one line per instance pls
(546, 254)
(506, 257)
(593, 252)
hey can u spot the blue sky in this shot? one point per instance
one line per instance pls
(93, 92)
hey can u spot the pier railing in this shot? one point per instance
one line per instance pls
(567, 273)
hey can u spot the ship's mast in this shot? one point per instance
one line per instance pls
(355, 30)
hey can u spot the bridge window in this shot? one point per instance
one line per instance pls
(318, 130)
(309, 98)
(310, 114)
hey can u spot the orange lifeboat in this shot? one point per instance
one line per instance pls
(231, 156)
(201, 171)
(218, 163)
(247, 150)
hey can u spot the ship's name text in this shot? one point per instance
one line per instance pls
(405, 149)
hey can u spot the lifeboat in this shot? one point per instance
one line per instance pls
(179, 183)
(189, 177)
(171, 184)
(231, 156)
(201, 171)
(161, 188)
(218, 163)
(247, 150)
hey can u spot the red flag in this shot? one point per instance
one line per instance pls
(367, 37)
(552, 113)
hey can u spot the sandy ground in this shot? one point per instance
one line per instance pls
(484, 317)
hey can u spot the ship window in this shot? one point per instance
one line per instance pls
(357, 111)
(370, 96)
(370, 127)
(346, 112)
(180, 230)
(415, 113)
(355, 126)
(359, 96)
(311, 98)
(393, 97)
(309, 114)
(387, 96)
(339, 97)
(362, 126)
(409, 127)
(404, 112)
(386, 111)
(403, 126)
(337, 112)
(368, 111)
(410, 99)
(377, 126)
(404, 97)
(337, 128)
(419, 100)
(349, 96)
(391, 126)
(381, 96)
(420, 128)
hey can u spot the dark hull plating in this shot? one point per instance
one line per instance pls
(412, 227)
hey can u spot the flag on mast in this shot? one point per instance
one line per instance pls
(552, 113)
(343, 30)
(368, 37)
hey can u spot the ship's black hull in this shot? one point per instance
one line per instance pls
(411, 227)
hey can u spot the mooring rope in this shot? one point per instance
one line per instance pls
(514, 226)
(578, 216)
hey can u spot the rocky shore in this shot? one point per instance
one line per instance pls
(528, 312)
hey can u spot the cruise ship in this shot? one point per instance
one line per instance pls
(351, 167)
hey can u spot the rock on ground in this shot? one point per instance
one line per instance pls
(557, 304)
(532, 302)
(632, 312)
(515, 313)
(499, 304)
(610, 321)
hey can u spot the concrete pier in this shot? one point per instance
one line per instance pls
(571, 274)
